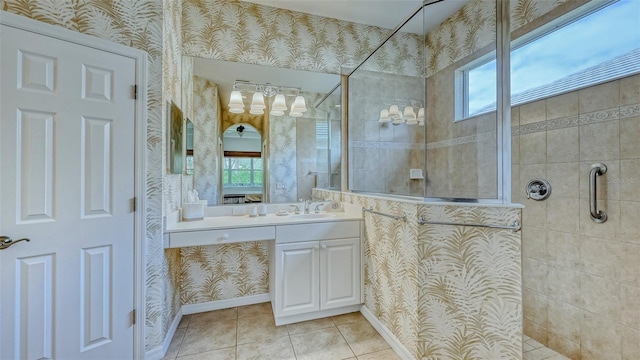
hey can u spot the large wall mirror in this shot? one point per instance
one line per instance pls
(244, 153)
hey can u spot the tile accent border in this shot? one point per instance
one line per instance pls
(385, 145)
(462, 140)
(577, 120)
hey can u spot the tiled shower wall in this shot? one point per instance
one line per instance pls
(381, 154)
(581, 279)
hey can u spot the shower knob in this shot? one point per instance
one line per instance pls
(538, 189)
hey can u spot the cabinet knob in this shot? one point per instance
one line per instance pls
(224, 237)
(324, 247)
(316, 247)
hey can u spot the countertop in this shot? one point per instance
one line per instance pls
(245, 221)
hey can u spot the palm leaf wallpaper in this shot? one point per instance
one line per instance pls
(255, 34)
(205, 111)
(446, 292)
(221, 272)
(243, 32)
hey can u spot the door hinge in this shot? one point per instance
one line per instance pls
(135, 92)
(133, 204)
(133, 316)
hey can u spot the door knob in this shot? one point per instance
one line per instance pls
(6, 241)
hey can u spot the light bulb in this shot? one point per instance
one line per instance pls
(394, 112)
(277, 112)
(398, 121)
(258, 101)
(235, 100)
(409, 114)
(279, 103)
(299, 104)
(384, 116)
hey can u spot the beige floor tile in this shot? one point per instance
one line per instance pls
(540, 354)
(380, 355)
(534, 344)
(347, 318)
(320, 345)
(526, 347)
(259, 329)
(184, 322)
(255, 310)
(278, 349)
(207, 338)
(220, 354)
(176, 341)
(211, 317)
(311, 325)
(362, 337)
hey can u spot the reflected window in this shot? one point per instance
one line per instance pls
(575, 51)
(242, 171)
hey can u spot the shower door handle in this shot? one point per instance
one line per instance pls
(598, 216)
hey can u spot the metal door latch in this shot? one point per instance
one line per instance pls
(6, 241)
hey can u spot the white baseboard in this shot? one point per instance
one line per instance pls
(159, 352)
(290, 319)
(386, 334)
(225, 304)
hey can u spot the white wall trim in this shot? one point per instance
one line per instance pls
(386, 334)
(159, 352)
(225, 304)
(140, 57)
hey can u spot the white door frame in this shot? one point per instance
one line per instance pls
(140, 57)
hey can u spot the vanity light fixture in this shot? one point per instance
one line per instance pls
(259, 92)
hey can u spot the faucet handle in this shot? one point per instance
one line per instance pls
(295, 208)
(317, 208)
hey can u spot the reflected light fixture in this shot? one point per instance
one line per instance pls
(260, 91)
(408, 115)
(384, 116)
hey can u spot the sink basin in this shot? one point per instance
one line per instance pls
(313, 216)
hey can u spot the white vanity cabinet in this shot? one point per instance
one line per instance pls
(316, 272)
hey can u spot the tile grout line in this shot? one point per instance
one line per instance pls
(345, 340)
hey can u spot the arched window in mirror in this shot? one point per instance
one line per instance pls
(242, 165)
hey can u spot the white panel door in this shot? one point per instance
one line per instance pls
(297, 274)
(339, 273)
(66, 183)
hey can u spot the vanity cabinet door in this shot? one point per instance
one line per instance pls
(339, 273)
(297, 276)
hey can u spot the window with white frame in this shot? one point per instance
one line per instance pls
(595, 43)
(242, 171)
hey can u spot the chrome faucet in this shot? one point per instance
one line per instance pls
(307, 204)
(295, 208)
